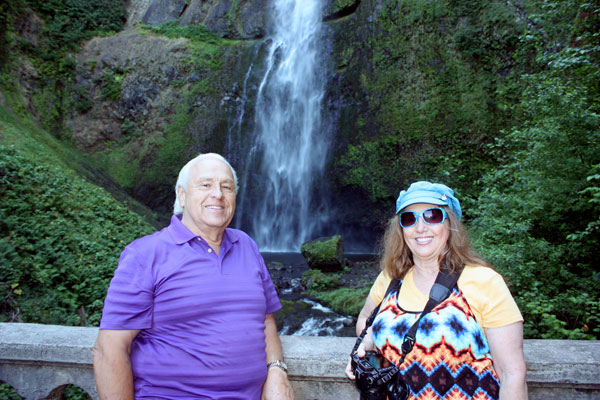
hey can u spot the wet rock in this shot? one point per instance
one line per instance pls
(29, 27)
(161, 11)
(325, 254)
(244, 19)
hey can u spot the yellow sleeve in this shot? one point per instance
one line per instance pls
(489, 297)
(379, 287)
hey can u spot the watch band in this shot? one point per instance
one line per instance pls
(278, 364)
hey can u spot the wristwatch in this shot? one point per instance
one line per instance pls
(278, 364)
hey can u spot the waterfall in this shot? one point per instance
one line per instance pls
(284, 201)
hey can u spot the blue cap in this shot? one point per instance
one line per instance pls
(432, 193)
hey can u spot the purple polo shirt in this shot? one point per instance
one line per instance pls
(201, 314)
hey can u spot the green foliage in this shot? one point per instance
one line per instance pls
(315, 279)
(233, 13)
(325, 286)
(340, 5)
(196, 33)
(432, 87)
(537, 218)
(173, 149)
(111, 85)
(8, 11)
(61, 238)
(70, 392)
(344, 300)
(8, 393)
(69, 22)
(205, 47)
(73, 392)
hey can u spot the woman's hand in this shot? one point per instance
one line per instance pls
(367, 344)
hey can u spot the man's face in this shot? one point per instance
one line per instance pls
(209, 200)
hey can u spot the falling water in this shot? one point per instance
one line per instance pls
(291, 146)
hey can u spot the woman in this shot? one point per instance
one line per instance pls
(470, 345)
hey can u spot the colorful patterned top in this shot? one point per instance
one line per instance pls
(451, 357)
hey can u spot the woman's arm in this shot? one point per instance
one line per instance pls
(506, 346)
(367, 342)
(364, 315)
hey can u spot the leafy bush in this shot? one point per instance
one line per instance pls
(537, 219)
(8, 393)
(69, 22)
(60, 243)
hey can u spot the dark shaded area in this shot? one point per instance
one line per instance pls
(343, 12)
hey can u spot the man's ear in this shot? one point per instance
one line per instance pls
(181, 196)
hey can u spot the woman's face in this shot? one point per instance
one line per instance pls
(426, 241)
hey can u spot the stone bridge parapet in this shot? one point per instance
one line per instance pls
(38, 361)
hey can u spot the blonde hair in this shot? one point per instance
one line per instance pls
(396, 258)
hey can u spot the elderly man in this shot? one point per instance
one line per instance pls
(189, 312)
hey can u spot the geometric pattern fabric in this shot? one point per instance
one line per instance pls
(450, 359)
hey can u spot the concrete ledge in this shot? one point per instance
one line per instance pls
(39, 359)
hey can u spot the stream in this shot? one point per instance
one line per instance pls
(305, 316)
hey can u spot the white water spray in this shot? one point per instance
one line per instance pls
(291, 145)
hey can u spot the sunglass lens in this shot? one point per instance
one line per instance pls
(407, 219)
(433, 216)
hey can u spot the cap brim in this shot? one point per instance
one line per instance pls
(421, 199)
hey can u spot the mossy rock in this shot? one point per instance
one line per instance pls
(292, 312)
(325, 254)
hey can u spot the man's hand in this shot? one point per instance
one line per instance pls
(277, 386)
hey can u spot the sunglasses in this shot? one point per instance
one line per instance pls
(431, 216)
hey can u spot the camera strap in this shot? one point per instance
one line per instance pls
(444, 282)
(395, 283)
(441, 289)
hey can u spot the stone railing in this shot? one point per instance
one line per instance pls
(40, 360)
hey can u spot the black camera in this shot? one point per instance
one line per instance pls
(376, 382)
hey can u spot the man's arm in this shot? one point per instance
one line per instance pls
(277, 385)
(112, 365)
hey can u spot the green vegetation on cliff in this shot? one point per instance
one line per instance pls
(433, 85)
(61, 236)
(502, 104)
(49, 44)
(537, 218)
(499, 102)
(184, 136)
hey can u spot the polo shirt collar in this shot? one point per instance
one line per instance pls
(181, 234)
(178, 231)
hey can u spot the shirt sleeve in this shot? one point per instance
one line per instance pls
(130, 298)
(490, 298)
(379, 287)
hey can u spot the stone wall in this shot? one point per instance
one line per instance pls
(39, 360)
